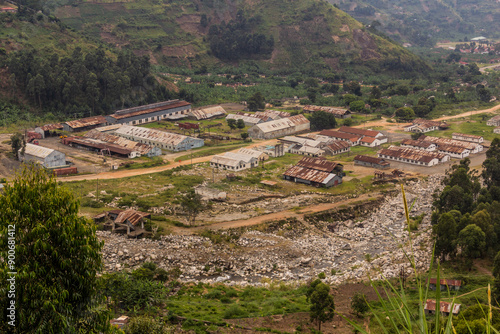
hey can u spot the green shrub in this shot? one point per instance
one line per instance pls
(235, 311)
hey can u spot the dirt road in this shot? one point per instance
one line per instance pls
(135, 172)
(299, 214)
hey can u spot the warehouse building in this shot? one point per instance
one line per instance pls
(138, 149)
(279, 128)
(98, 146)
(44, 156)
(260, 156)
(467, 137)
(207, 113)
(233, 161)
(161, 139)
(413, 156)
(166, 110)
(84, 124)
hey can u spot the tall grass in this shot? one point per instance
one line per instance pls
(398, 315)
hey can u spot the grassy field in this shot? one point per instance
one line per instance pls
(474, 125)
(217, 302)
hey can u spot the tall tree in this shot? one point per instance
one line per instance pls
(322, 120)
(322, 304)
(472, 241)
(56, 255)
(17, 142)
(191, 204)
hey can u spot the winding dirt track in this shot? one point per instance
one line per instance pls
(299, 214)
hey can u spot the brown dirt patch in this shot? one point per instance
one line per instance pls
(178, 51)
(112, 39)
(66, 12)
(191, 23)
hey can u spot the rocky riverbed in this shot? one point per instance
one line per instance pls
(375, 244)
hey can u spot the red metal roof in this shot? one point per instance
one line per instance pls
(88, 121)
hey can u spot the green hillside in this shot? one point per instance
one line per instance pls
(276, 34)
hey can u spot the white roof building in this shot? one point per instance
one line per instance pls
(280, 127)
(207, 113)
(47, 157)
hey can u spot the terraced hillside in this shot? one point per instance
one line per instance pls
(277, 34)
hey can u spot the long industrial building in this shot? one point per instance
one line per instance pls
(161, 139)
(138, 149)
(413, 156)
(280, 127)
(172, 109)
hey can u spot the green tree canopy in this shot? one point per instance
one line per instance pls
(57, 257)
(472, 241)
(322, 304)
(322, 120)
(256, 102)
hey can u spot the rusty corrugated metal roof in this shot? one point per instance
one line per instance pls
(98, 144)
(331, 110)
(411, 154)
(417, 143)
(452, 149)
(466, 135)
(448, 141)
(444, 307)
(318, 164)
(49, 127)
(449, 282)
(120, 141)
(205, 113)
(338, 145)
(308, 174)
(88, 121)
(134, 217)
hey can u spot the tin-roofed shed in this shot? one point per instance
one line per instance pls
(47, 157)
